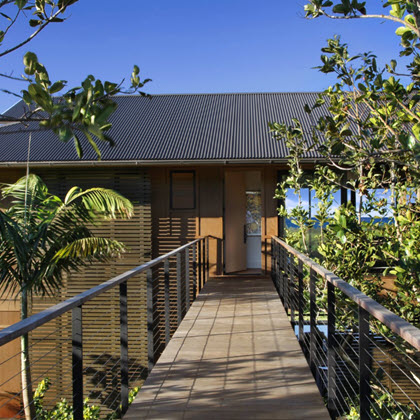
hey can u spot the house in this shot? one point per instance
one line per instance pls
(193, 165)
(198, 163)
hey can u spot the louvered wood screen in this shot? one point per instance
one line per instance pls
(52, 355)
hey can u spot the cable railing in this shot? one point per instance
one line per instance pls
(364, 358)
(90, 353)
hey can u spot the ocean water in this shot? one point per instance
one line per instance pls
(380, 220)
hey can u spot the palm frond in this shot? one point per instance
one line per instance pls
(42, 237)
(100, 201)
(93, 248)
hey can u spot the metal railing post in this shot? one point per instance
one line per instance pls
(292, 289)
(167, 302)
(204, 263)
(277, 267)
(364, 364)
(207, 241)
(312, 311)
(332, 374)
(219, 257)
(279, 271)
(178, 288)
(194, 270)
(200, 271)
(187, 279)
(286, 282)
(283, 274)
(77, 362)
(150, 339)
(301, 306)
(273, 263)
(124, 347)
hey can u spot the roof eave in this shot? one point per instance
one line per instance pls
(199, 162)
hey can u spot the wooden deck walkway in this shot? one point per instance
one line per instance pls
(234, 356)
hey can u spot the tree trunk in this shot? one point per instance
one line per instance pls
(27, 392)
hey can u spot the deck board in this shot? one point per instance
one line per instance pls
(234, 356)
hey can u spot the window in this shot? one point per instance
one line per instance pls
(182, 190)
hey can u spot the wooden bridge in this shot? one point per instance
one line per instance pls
(235, 355)
(225, 347)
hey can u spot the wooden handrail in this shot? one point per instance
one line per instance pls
(404, 329)
(23, 327)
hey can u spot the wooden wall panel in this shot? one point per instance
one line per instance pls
(171, 228)
(9, 358)
(101, 316)
(211, 208)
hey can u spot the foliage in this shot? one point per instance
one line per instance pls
(63, 410)
(368, 135)
(369, 139)
(77, 112)
(385, 407)
(43, 237)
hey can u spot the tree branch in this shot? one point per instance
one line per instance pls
(8, 76)
(386, 17)
(33, 35)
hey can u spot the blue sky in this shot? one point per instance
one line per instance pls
(196, 46)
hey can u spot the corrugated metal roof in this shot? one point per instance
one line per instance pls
(190, 127)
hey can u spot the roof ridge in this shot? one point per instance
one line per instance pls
(223, 93)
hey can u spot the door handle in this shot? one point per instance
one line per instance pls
(245, 236)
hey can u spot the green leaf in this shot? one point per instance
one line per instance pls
(78, 107)
(410, 20)
(342, 236)
(393, 64)
(93, 144)
(21, 3)
(340, 9)
(30, 60)
(5, 16)
(35, 22)
(65, 134)
(402, 30)
(78, 146)
(57, 86)
(416, 130)
(40, 97)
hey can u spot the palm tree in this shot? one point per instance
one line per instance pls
(42, 237)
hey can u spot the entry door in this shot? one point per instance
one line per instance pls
(253, 229)
(235, 222)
